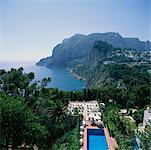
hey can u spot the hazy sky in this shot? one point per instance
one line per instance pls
(29, 29)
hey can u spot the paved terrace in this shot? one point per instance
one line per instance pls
(88, 109)
(91, 113)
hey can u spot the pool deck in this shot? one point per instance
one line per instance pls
(109, 140)
(91, 112)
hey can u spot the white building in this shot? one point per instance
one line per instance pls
(147, 117)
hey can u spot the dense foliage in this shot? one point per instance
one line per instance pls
(121, 59)
(119, 127)
(69, 140)
(145, 138)
(31, 113)
(19, 124)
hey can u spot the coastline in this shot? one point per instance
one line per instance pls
(76, 75)
(71, 72)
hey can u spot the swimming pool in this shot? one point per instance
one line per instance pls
(96, 139)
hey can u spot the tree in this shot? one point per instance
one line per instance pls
(138, 116)
(119, 127)
(31, 75)
(15, 82)
(129, 104)
(143, 95)
(18, 124)
(145, 138)
(57, 111)
(45, 81)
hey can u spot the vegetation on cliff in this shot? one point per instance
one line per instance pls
(107, 65)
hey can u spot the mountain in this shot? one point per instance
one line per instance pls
(78, 47)
(100, 51)
(45, 61)
(108, 65)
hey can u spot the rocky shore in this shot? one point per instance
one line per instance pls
(76, 75)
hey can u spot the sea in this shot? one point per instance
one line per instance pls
(60, 78)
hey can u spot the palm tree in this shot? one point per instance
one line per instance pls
(58, 111)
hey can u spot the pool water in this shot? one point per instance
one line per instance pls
(96, 139)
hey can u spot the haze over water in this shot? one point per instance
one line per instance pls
(61, 78)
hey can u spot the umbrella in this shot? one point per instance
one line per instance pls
(81, 132)
(81, 140)
(81, 127)
(97, 117)
(99, 113)
(83, 122)
(99, 121)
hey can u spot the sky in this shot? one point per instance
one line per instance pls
(29, 29)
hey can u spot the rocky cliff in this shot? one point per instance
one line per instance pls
(79, 46)
(100, 51)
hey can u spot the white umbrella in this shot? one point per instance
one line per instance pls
(81, 132)
(91, 115)
(81, 140)
(99, 121)
(97, 117)
(83, 122)
(99, 113)
(81, 127)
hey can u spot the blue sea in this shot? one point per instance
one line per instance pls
(60, 78)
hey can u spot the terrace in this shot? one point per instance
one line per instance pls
(93, 134)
